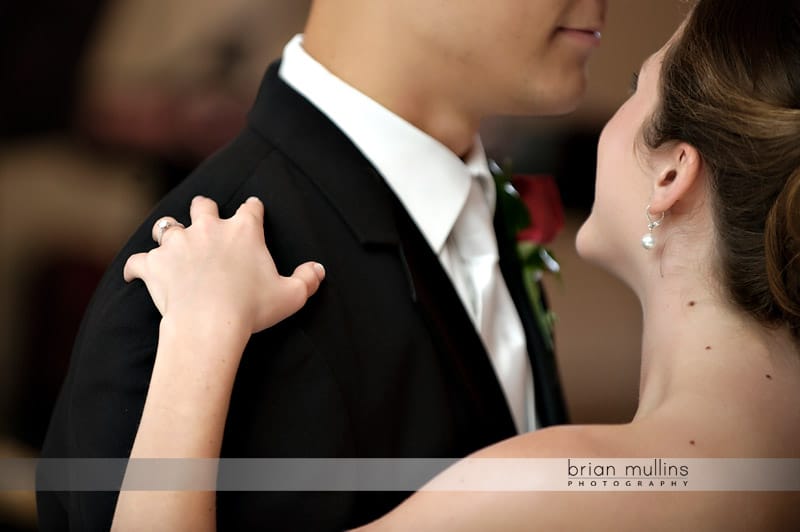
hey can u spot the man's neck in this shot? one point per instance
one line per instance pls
(396, 86)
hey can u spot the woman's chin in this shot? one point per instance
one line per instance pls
(594, 249)
(584, 241)
(598, 252)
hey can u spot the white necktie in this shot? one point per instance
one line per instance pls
(490, 305)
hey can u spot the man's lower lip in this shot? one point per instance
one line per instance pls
(589, 38)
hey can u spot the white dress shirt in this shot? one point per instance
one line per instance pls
(432, 183)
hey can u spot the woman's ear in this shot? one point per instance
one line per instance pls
(679, 167)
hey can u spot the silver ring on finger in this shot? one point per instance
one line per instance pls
(163, 226)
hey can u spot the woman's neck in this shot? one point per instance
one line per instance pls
(696, 345)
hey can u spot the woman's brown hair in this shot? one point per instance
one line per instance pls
(730, 87)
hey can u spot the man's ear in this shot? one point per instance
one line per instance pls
(679, 167)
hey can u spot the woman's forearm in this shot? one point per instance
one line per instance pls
(184, 417)
(215, 284)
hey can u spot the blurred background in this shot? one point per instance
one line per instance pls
(107, 104)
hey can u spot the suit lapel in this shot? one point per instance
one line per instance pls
(327, 157)
(453, 331)
(550, 405)
(376, 217)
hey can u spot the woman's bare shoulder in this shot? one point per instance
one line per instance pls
(487, 490)
(564, 441)
(499, 488)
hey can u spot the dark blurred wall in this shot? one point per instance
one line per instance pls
(42, 42)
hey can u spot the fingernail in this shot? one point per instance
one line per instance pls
(320, 269)
(252, 198)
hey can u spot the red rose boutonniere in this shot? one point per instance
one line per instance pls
(534, 214)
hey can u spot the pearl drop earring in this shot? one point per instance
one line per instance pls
(648, 240)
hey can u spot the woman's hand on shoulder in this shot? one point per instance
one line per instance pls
(221, 270)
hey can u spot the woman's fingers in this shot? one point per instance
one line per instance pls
(254, 207)
(134, 267)
(221, 263)
(202, 206)
(311, 275)
(162, 226)
(300, 286)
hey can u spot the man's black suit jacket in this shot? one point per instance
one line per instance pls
(382, 362)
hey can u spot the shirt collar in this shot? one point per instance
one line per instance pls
(430, 181)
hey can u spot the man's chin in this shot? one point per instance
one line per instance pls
(567, 101)
(559, 104)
